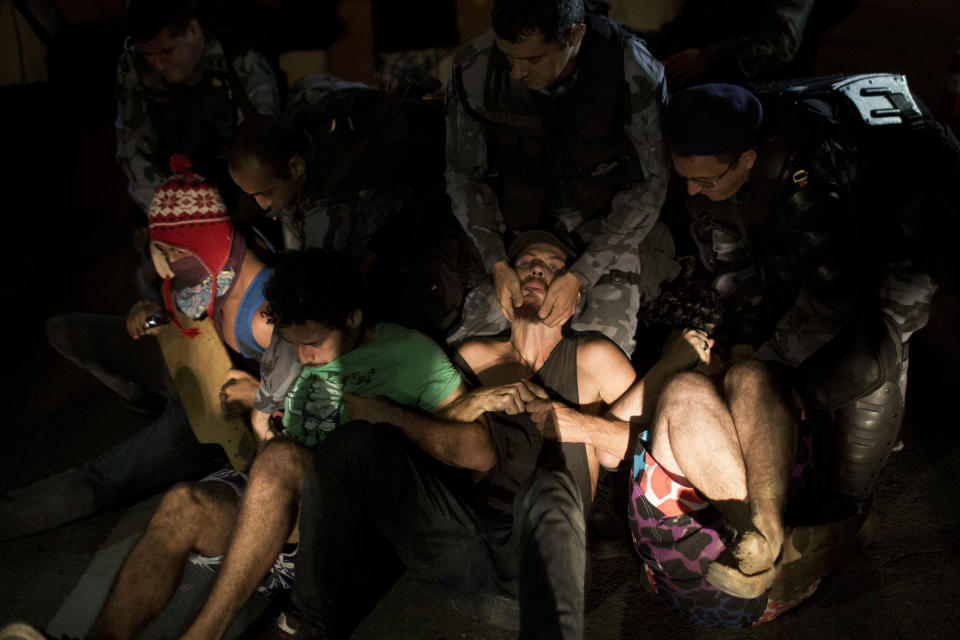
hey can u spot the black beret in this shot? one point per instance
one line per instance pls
(528, 238)
(710, 119)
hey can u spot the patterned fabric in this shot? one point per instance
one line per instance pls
(678, 534)
(401, 364)
(194, 301)
(281, 575)
(188, 213)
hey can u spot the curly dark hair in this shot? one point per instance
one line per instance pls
(685, 304)
(271, 141)
(316, 285)
(147, 18)
(517, 19)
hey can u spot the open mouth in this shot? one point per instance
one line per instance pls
(536, 287)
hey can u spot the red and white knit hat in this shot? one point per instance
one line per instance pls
(187, 213)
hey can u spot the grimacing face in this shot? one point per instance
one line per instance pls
(731, 176)
(539, 63)
(176, 58)
(537, 265)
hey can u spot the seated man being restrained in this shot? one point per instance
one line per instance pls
(500, 540)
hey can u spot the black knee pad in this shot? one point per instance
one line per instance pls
(855, 404)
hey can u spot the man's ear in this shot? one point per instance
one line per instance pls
(297, 166)
(749, 158)
(576, 34)
(354, 319)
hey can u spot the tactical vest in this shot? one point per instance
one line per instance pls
(197, 120)
(852, 175)
(546, 154)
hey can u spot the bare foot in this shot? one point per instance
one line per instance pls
(749, 567)
(755, 553)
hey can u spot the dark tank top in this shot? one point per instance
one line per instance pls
(519, 446)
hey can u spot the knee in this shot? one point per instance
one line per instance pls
(280, 462)
(549, 493)
(184, 504)
(751, 375)
(684, 388)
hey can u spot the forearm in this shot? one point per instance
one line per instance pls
(608, 435)
(475, 206)
(474, 202)
(457, 444)
(638, 404)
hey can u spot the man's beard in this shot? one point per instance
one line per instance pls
(530, 309)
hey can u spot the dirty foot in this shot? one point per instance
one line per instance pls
(732, 580)
(749, 567)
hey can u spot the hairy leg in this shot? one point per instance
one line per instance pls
(767, 434)
(191, 517)
(694, 436)
(737, 453)
(267, 519)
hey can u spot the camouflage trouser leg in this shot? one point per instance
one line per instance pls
(611, 308)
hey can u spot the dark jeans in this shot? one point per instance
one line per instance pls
(528, 571)
(164, 452)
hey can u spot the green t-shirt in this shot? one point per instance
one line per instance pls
(401, 364)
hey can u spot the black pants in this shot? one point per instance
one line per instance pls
(527, 571)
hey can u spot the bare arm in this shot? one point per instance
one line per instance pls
(510, 398)
(638, 404)
(458, 444)
(610, 434)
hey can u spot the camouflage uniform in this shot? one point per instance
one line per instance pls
(742, 40)
(142, 153)
(819, 286)
(609, 267)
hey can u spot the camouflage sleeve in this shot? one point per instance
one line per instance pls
(279, 369)
(474, 202)
(137, 146)
(635, 209)
(260, 81)
(763, 52)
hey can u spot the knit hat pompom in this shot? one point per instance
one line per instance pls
(180, 163)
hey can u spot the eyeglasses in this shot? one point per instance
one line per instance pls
(711, 181)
